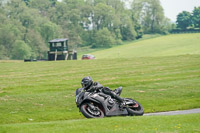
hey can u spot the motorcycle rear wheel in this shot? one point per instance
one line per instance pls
(89, 113)
(135, 109)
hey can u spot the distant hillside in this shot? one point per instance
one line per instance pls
(175, 44)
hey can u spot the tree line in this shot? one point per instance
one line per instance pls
(186, 20)
(26, 26)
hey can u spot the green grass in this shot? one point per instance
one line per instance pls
(144, 124)
(39, 96)
(44, 91)
(88, 49)
(175, 44)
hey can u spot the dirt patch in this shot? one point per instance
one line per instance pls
(141, 91)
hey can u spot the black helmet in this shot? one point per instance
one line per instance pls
(86, 82)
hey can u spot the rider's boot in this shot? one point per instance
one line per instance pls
(122, 104)
(121, 101)
(118, 91)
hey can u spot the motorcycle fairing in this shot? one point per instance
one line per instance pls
(111, 107)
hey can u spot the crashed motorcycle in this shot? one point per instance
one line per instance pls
(99, 105)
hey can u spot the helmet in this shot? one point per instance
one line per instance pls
(86, 82)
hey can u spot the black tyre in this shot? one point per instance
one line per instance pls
(91, 112)
(135, 108)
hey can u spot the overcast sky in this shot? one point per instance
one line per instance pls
(173, 7)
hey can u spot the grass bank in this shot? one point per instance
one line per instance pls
(169, 45)
(88, 49)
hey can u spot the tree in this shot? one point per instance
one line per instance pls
(53, 2)
(196, 17)
(86, 14)
(97, 23)
(27, 2)
(184, 20)
(157, 16)
(117, 5)
(38, 47)
(21, 50)
(103, 39)
(127, 28)
(49, 30)
(42, 5)
(27, 21)
(75, 39)
(7, 39)
(103, 15)
(3, 53)
(148, 13)
(15, 8)
(73, 16)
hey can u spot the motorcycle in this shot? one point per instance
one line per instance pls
(99, 105)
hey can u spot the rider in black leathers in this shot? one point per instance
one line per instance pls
(90, 86)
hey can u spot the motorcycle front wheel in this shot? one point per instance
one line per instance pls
(134, 108)
(89, 110)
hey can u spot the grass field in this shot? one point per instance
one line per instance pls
(39, 96)
(169, 45)
(88, 49)
(144, 124)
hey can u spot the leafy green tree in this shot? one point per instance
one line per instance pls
(117, 33)
(103, 15)
(27, 2)
(42, 5)
(86, 14)
(15, 8)
(167, 26)
(196, 17)
(21, 50)
(73, 16)
(27, 21)
(98, 23)
(157, 16)
(139, 31)
(148, 13)
(38, 47)
(53, 2)
(49, 31)
(7, 39)
(184, 20)
(56, 14)
(103, 39)
(3, 50)
(75, 39)
(117, 5)
(73, 4)
(3, 53)
(127, 28)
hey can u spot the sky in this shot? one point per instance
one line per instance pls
(173, 7)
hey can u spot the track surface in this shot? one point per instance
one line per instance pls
(181, 112)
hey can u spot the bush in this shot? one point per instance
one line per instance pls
(190, 30)
(103, 39)
(21, 50)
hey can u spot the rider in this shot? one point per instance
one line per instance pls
(90, 86)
